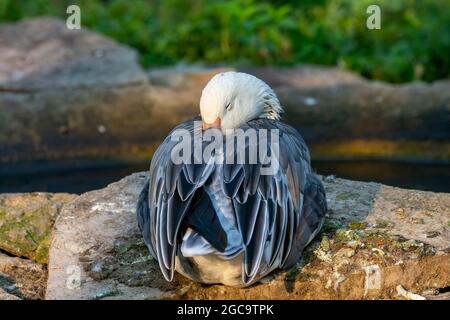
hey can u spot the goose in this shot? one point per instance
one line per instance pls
(228, 222)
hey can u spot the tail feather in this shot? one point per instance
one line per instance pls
(203, 219)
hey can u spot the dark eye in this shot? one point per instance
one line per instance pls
(229, 106)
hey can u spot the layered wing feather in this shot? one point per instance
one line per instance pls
(269, 208)
(170, 193)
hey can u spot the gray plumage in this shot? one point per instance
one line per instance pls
(268, 219)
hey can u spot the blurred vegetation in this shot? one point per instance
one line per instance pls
(414, 42)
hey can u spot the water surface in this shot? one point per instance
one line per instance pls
(432, 177)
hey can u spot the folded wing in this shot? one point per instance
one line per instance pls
(269, 208)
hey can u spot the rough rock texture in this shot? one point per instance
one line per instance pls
(74, 94)
(21, 278)
(375, 238)
(26, 222)
(105, 256)
(6, 296)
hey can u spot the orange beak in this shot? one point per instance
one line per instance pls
(215, 124)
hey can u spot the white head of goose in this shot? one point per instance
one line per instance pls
(231, 99)
(228, 222)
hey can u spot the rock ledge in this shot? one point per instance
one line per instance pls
(375, 238)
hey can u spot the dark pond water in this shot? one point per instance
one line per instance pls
(432, 177)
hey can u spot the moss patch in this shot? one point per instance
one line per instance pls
(27, 222)
(355, 225)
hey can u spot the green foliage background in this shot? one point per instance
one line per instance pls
(414, 42)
